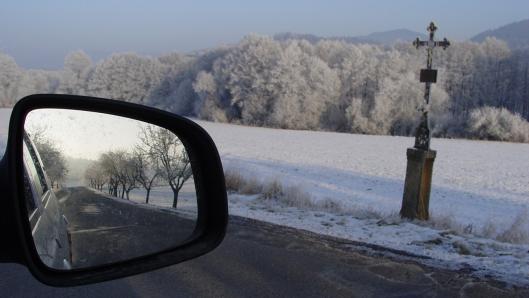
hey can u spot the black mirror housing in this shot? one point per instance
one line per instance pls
(207, 169)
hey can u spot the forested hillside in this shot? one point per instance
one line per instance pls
(482, 90)
(515, 34)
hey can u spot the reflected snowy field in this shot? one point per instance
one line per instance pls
(163, 196)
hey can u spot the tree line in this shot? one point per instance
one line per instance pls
(482, 90)
(159, 159)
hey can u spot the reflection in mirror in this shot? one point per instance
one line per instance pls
(100, 189)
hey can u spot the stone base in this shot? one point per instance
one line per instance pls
(416, 198)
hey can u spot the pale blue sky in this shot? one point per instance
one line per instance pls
(39, 33)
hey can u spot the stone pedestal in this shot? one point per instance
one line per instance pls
(416, 198)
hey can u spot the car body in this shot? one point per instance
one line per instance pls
(49, 226)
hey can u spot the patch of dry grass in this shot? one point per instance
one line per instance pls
(274, 192)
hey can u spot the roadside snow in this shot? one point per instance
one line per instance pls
(481, 187)
(163, 197)
(435, 247)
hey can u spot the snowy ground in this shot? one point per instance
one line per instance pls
(163, 197)
(479, 195)
(480, 188)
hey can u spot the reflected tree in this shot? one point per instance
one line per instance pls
(96, 176)
(147, 170)
(119, 168)
(127, 174)
(51, 156)
(167, 149)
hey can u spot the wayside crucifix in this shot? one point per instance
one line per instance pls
(416, 197)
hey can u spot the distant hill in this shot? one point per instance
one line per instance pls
(382, 38)
(393, 36)
(515, 34)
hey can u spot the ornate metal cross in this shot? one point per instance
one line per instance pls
(428, 76)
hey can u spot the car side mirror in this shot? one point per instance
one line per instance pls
(97, 189)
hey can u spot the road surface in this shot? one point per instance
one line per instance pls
(104, 230)
(259, 259)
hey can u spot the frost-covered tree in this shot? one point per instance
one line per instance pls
(119, 167)
(53, 159)
(127, 77)
(175, 92)
(39, 81)
(208, 106)
(300, 84)
(128, 175)
(167, 149)
(497, 124)
(357, 67)
(147, 170)
(305, 87)
(10, 75)
(246, 73)
(77, 67)
(108, 161)
(95, 176)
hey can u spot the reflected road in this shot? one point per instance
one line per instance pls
(104, 229)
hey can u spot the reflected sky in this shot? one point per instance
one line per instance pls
(82, 134)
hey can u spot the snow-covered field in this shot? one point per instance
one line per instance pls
(480, 192)
(163, 197)
(474, 181)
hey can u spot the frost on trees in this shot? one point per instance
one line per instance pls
(10, 75)
(77, 67)
(298, 84)
(127, 77)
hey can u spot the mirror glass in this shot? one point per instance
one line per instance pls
(100, 188)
